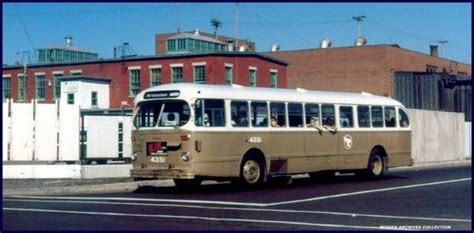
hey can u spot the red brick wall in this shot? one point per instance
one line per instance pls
(356, 69)
(118, 73)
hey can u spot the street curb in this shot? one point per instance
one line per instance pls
(84, 189)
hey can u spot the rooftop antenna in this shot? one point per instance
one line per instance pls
(443, 42)
(177, 17)
(359, 20)
(237, 25)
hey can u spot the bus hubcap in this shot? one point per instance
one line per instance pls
(377, 165)
(251, 171)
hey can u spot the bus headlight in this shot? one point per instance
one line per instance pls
(186, 156)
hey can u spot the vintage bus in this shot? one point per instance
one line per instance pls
(194, 132)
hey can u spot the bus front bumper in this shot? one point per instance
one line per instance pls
(161, 174)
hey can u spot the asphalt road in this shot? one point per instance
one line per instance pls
(430, 198)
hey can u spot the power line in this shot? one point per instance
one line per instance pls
(24, 27)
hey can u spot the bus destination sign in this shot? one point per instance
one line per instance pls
(161, 94)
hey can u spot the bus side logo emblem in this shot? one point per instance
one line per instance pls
(347, 142)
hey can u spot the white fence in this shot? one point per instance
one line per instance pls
(51, 133)
(40, 132)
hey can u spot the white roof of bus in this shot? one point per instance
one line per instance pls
(237, 92)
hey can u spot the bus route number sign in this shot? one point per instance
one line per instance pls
(255, 140)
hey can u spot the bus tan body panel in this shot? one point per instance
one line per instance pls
(286, 152)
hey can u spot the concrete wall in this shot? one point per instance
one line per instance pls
(468, 140)
(437, 136)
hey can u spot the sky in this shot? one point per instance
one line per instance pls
(102, 26)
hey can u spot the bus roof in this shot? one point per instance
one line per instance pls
(237, 92)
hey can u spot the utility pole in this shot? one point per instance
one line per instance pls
(359, 22)
(443, 46)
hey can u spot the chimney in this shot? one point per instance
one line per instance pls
(434, 50)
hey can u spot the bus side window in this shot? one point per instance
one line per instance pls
(346, 119)
(210, 113)
(403, 118)
(278, 111)
(390, 115)
(377, 116)
(259, 111)
(312, 115)
(328, 116)
(364, 116)
(295, 115)
(239, 114)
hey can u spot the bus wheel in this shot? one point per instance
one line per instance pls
(376, 165)
(187, 184)
(252, 172)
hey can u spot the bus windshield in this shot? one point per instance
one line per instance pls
(162, 113)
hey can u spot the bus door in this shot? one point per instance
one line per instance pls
(321, 144)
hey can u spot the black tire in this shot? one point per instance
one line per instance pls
(252, 172)
(187, 184)
(377, 165)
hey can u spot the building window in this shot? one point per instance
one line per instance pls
(431, 69)
(177, 75)
(273, 79)
(171, 45)
(6, 88)
(181, 44)
(76, 74)
(21, 87)
(57, 85)
(40, 81)
(190, 44)
(134, 82)
(70, 98)
(94, 99)
(197, 44)
(200, 74)
(228, 75)
(155, 77)
(252, 78)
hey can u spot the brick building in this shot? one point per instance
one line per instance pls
(196, 41)
(360, 68)
(128, 76)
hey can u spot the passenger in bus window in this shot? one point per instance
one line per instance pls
(329, 125)
(273, 122)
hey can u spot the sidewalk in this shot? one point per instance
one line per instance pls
(13, 187)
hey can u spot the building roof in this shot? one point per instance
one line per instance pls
(68, 47)
(95, 79)
(151, 57)
(196, 36)
(394, 46)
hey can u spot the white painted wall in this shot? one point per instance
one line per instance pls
(46, 128)
(21, 140)
(82, 90)
(69, 133)
(437, 136)
(102, 136)
(85, 90)
(468, 139)
(5, 130)
(42, 171)
(127, 136)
